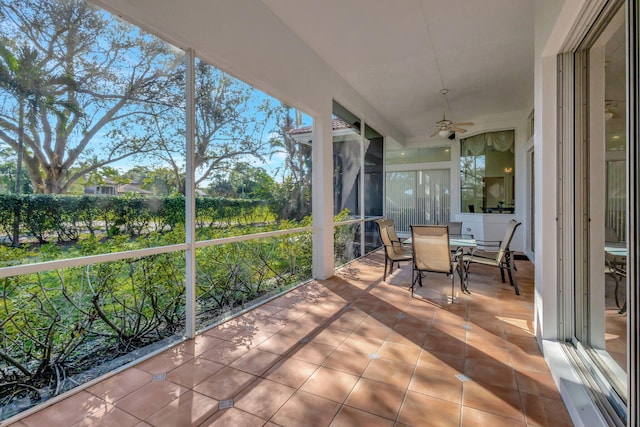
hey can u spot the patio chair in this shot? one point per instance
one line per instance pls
(431, 253)
(391, 228)
(394, 252)
(501, 256)
(455, 228)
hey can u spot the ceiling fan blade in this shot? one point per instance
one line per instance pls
(434, 134)
(463, 124)
(457, 129)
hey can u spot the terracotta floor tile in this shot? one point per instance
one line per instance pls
(312, 353)
(376, 398)
(489, 398)
(372, 328)
(269, 324)
(410, 322)
(250, 338)
(397, 374)
(193, 372)
(291, 372)
(224, 353)
(528, 345)
(226, 330)
(541, 411)
(517, 327)
(233, 417)
(66, 412)
(453, 364)
(458, 330)
(400, 352)
(190, 409)
(481, 337)
(476, 418)
(279, 344)
(164, 362)
(347, 361)
(330, 384)
(489, 352)
(528, 362)
(489, 371)
(350, 417)
(330, 336)
(407, 337)
(108, 417)
(120, 384)
(421, 410)
(225, 384)
(199, 344)
(263, 398)
(150, 398)
(440, 343)
(349, 319)
(435, 383)
(255, 361)
(449, 317)
(537, 383)
(306, 409)
(361, 344)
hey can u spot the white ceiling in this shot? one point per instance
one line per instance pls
(399, 53)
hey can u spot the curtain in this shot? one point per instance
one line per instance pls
(501, 141)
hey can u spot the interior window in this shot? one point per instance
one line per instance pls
(487, 172)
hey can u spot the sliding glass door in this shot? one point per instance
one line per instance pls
(418, 197)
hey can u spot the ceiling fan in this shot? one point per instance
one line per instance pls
(445, 127)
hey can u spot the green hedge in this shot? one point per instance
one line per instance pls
(45, 218)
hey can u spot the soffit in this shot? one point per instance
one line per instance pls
(389, 51)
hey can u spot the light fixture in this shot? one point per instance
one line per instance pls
(444, 133)
(508, 170)
(608, 115)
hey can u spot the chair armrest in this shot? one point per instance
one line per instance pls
(482, 244)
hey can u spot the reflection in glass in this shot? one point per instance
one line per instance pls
(487, 172)
(347, 166)
(613, 197)
(347, 246)
(603, 318)
(373, 172)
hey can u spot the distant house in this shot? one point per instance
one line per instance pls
(132, 187)
(111, 188)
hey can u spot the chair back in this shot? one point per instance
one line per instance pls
(455, 228)
(610, 235)
(391, 229)
(388, 236)
(431, 250)
(506, 241)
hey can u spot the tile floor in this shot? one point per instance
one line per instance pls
(348, 351)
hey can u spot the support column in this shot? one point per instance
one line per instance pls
(190, 194)
(322, 195)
